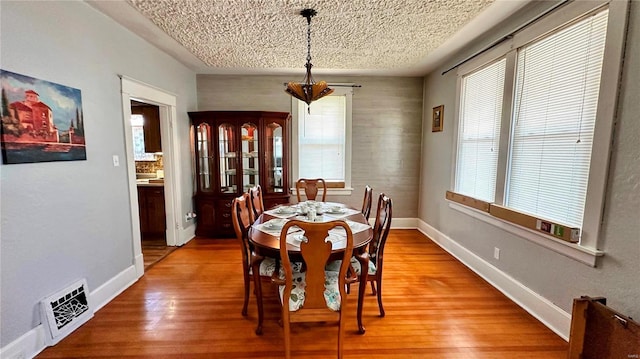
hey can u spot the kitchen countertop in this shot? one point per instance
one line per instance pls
(150, 183)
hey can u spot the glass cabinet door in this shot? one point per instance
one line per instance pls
(205, 158)
(274, 148)
(250, 161)
(228, 159)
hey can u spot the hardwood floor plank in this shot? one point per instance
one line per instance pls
(188, 306)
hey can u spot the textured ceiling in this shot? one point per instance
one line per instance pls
(260, 36)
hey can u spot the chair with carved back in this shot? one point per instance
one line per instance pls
(241, 218)
(384, 214)
(312, 294)
(366, 202)
(256, 202)
(310, 188)
(375, 250)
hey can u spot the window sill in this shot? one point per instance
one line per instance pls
(572, 250)
(331, 191)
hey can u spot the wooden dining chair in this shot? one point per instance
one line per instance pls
(366, 202)
(241, 218)
(381, 229)
(310, 188)
(256, 202)
(375, 250)
(313, 294)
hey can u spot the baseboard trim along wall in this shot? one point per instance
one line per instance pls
(542, 309)
(559, 321)
(33, 342)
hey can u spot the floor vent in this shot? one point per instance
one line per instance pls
(65, 311)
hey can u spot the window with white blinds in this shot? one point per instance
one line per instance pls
(536, 115)
(556, 97)
(137, 128)
(479, 131)
(321, 139)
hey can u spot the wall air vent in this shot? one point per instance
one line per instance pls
(65, 311)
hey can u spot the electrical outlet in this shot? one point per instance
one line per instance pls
(496, 253)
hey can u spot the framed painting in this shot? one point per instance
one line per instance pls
(438, 118)
(42, 121)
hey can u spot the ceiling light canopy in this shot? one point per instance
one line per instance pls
(308, 90)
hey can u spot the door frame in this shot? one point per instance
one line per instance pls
(139, 91)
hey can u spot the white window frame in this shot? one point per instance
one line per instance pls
(588, 249)
(345, 89)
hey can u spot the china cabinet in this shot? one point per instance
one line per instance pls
(235, 150)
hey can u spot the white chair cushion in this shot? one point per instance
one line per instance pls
(331, 292)
(335, 266)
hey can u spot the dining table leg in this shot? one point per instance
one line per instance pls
(257, 288)
(363, 259)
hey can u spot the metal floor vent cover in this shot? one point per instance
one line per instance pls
(65, 311)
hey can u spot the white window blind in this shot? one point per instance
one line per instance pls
(137, 128)
(479, 131)
(321, 139)
(556, 97)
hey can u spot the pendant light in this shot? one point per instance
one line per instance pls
(308, 90)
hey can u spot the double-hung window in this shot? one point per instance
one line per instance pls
(137, 127)
(535, 119)
(322, 140)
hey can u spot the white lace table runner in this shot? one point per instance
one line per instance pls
(337, 236)
(282, 212)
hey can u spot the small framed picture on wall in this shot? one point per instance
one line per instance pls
(438, 118)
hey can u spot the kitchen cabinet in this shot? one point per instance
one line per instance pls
(235, 150)
(151, 127)
(153, 222)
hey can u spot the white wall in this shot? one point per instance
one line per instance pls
(555, 277)
(62, 221)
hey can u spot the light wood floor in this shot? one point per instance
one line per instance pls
(188, 306)
(154, 250)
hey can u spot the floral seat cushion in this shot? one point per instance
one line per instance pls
(331, 291)
(267, 267)
(335, 266)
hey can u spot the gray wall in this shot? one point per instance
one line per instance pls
(387, 115)
(553, 276)
(62, 221)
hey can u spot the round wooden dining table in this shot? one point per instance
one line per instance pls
(268, 245)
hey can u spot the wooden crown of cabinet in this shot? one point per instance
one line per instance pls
(235, 150)
(151, 127)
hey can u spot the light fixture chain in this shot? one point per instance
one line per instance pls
(308, 90)
(308, 39)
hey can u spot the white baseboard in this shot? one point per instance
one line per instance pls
(559, 321)
(404, 223)
(138, 264)
(33, 341)
(541, 308)
(113, 287)
(187, 234)
(27, 346)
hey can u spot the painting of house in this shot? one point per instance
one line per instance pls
(39, 128)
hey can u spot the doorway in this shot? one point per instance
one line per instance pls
(148, 158)
(165, 104)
